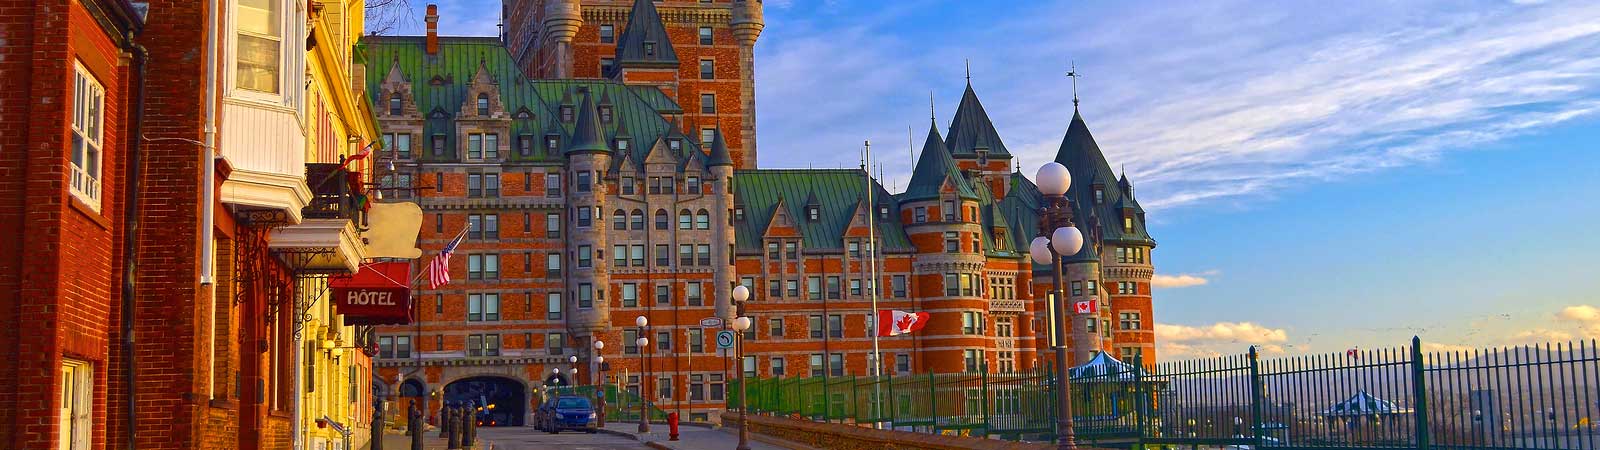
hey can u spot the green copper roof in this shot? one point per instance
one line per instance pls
(971, 129)
(644, 42)
(935, 166)
(837, 192)
(440, 82)
(586, 135)
(1089, 170)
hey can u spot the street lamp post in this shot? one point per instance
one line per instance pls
(739, 325)
(644, 344)
(599, 383)
(1064, 239)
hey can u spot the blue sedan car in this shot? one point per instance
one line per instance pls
(566, 412)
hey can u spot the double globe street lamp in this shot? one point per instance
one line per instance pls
(644, 344)
(598, 374)
(1064, 239)
(740, 294)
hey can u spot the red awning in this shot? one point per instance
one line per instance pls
(378, 294)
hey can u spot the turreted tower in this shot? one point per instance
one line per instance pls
(588, 156)
(747, 25)
(720, 164)
(562, 18)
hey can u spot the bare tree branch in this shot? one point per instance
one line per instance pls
(385, 16)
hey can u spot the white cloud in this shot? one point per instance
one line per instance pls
(1539, 336)
(1202, 102)
(1580, 313)
(1221, 338)
(1177, 281)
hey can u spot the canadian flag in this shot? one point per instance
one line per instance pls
(1084, 307)
(895, 323)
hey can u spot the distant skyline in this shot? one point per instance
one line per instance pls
(1318, 178)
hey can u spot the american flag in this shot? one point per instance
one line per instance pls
(439, 268)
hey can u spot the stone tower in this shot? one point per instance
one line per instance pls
(747, 25)
(588, 157)
(562, 19)
(720, 164)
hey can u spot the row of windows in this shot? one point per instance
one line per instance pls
(608, 35)
(834, 289)
(920, 213)
(487, 226)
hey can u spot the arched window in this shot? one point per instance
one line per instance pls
(702, 220)
(662, 222)
(684, 221)
(638, 219)
(396, 105)
(483, 104)
(619, 220)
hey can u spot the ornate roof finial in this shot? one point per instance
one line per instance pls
(1073, 74)
(930, 107)
(969, 70)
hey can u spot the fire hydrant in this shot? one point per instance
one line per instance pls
(672, 426)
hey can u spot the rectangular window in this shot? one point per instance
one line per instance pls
(814, 323)
(630, 342)
(1128, 354)
(792, 288)
(791, 250)
(552, 225)
(972, 359)
(814, 288)
(971, 322)
(702, 254)
(774, 288)
(402, 347)
(552, 265)
(836, 364)
(855, 287)
(697, 387)
(835, 326)
(608, 34)
(1008, 363)
(1003, 327)
(663, 295)
(902, 363)
(952, 286)
(525, 144)
(553, 343)
(552, 304)
(663, 255)
(527, 223)
(897, 285)
(259, 45)
(685, 254)
(585, 295)
(585, 217)
(778, 367)
(772, 251)
(585, 256)
(921, 214)
(705, 36)
(708, 105)
(692, 295)
(833, 287)
(1130, 320)
(606, 64)
(1094, 288)
(627, 185)
(619, 254)
(552, 184)
(775, 327)
(475, 146)
(663, 341)
(697, 340)
(952, 242)
(636, 253)
(630, 295)
(1077, 288)
(708, 69)
(816, 365)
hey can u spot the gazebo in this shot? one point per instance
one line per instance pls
(1362, 408)
(1106, 394)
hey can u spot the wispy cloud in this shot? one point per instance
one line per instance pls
(1207, 102)
(1177, 341)
(1580, 313)
(1181, 280)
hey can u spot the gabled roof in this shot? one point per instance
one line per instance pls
(837, 192)
(934, 168)
(644, 30)
(971, 129)
(637, 110)
(1088, 166)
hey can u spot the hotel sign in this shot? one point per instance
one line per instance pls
(375, 295)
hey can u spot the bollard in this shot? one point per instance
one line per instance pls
(444, 421)
(453, 416)
(672, 426)
(377, 424)
(470, 424)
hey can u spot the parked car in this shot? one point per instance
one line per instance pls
(566, 412)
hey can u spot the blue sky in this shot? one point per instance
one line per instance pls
(1318, 177)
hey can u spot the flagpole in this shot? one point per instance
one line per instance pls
(420, 273)
(872, 250)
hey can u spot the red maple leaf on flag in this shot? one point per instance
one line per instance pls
(905, 322)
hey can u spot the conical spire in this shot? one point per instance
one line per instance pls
(971, 129)
(587, 137)
(719, 151)
(1088, 166)
(644, 43)
(935, 166)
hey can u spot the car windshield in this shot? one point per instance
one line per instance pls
(573, 402)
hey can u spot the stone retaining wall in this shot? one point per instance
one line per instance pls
(846, 437)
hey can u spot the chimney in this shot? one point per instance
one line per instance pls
(433, 29)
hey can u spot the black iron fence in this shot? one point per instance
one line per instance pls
(1527, 397)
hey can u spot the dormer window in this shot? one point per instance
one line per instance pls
(983, 157)
(1127, 223)
(524, 114)
(949, 211)
(1099, 194)
(883, 212)
(483, 105)
(675, 145)
(396, 104)
(813, 213)
(566, 113)
(649, 48)
(738, 213)
(620, 144)
(552, 144)
(605, 114)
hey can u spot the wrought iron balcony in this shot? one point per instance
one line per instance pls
(332, 196)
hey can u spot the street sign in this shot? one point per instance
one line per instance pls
(725, 339)
(711, 322)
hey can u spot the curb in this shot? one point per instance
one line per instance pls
(619, 433)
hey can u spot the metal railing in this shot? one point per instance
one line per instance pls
(331, 193)
(1528, 397)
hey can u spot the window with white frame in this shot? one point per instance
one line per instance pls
(88, 116)
(259, 45)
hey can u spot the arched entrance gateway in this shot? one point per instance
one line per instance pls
(503, 400)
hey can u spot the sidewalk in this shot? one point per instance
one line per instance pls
(430, 441)
(692, 437)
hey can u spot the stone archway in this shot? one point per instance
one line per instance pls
(504, 400)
